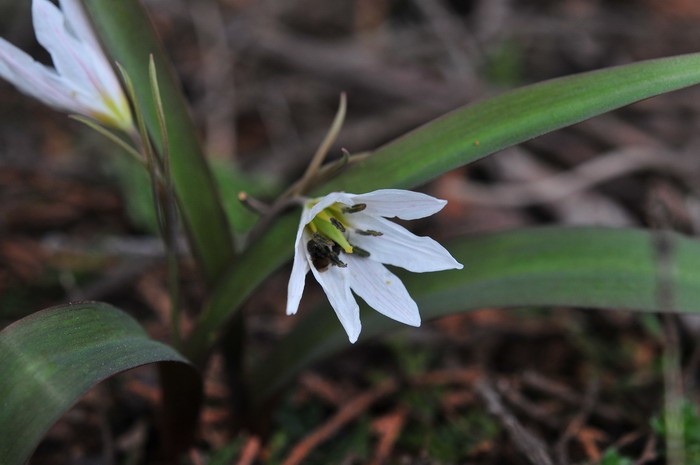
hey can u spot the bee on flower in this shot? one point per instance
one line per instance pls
(345, 240)
(82, 80)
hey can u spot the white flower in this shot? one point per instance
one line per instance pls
(82, 81)
(344, 239)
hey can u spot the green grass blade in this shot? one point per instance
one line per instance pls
(579, 267)
(128, 34)
(443, 145)
(49, 359)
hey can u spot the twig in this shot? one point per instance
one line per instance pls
(649, 452)
(389, 427)
(251, 449)
(604, 168)
(517, 399)
(537, 381)
(578, 421)
(531, 446)
(351, 410)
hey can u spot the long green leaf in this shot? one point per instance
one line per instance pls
(580, 267)
(459, 138)
(49, 359)
(127, 32)
(482, 128)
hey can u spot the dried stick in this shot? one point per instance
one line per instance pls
(351, 410)
(533, 447)
(250, 451)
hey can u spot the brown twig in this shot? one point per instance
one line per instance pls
(389, 427)
(530, 445)
(585, 176)
(578, 421)
(323, 388)
(351, 410)
(515, 397)
(251, 449)
(548, 386)
(649, 452)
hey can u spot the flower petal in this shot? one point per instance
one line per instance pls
(107, 81)
(33, 78)
(80, 60)
(407, 205)
(309, 213)
(79, 23)
(295, 288)
(382, 290)
(399, 247)
(68, 54)
(334, 282)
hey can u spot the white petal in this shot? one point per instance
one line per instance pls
(79, 59)
(382, 290)
(309, 213)
(407, 205)
(65, 49)
(33, 78)
(334, 282)
(295, 288)
(107, 80)
(79, 23)
(399, 247)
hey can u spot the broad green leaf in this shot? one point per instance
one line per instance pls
(128, 34)
(461, 137)
(49, 359)
(557, 266)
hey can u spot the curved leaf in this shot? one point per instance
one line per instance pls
(49, 359)
(127, 32)
(461, 137)
(472, 132)
(579, 267)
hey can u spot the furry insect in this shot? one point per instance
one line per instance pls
(323, 252)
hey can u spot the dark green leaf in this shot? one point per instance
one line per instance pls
(49, 359)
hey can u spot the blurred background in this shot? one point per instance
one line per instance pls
(263, 79)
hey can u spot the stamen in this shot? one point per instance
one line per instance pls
(327, 229)
(322, 240)
(369, 232)
(338, 225)
(336, 261)
(360, 252)
(358, 207)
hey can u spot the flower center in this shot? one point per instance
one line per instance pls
(330, 231)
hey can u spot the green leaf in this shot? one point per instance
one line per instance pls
(445, 144)
(49, 359)
(128, 34)
(557, 266)
(477, 130)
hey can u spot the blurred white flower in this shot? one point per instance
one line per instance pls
(344, 239)
(82, 82)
